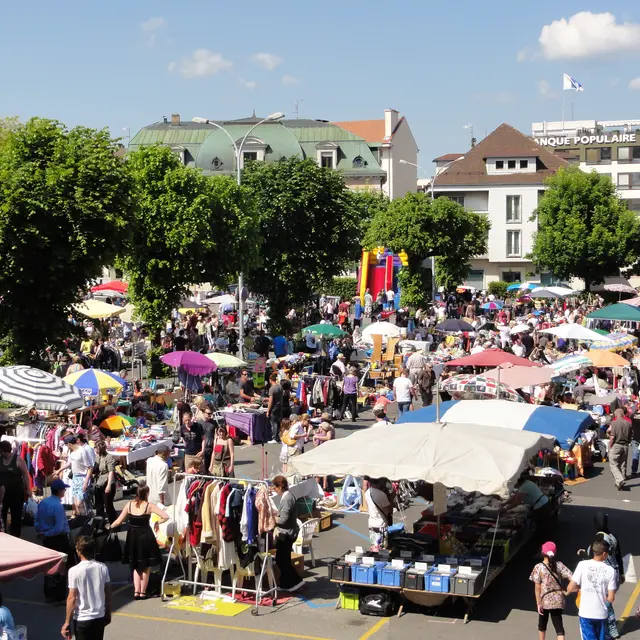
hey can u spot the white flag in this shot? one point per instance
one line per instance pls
(571, 84)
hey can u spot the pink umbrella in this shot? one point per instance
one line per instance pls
(517, 376)
(634, 302)
(491, 358)
(22, 559)
(194, 363)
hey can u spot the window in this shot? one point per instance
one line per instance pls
(598, 155)
(624, 154)
(513, 244)
(593, 156)
(605, 155)
(511, 164)
(457, 199)
(629, 181)
(633, 204)
(499, 164)
(524, 164)
(249, 156)
(358, 162)
(540, 194)
(475, 278)
(216, 163)
(513, 209)
(511, 276)
(326, 159)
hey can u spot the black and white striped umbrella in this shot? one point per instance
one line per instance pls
(26, 386)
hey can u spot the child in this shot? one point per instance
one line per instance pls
(196, 465)
(285, 425)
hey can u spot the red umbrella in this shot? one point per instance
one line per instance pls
(114, 285)
(491, 358)
(22, 559)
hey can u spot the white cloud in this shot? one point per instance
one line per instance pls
(588, 35)
(498, 97)
(269, 61)
(151, 28)
(545, 90)
(635, 84)
(201, 62)
(286, 79)
(247, 84)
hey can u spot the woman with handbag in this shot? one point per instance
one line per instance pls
(285, 534)
(292, 436)
(104, 472)
(380, 508)
(223, 454)
(547, 576)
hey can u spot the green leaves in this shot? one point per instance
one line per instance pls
(585, 228)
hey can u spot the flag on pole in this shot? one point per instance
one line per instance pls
(571, 84)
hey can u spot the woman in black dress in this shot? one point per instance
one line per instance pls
(141, 550)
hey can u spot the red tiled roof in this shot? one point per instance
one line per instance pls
(505, 141)
(370, 130)
(448, 157)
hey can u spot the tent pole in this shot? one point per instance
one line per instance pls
(438, 399)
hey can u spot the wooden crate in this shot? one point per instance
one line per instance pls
(326, 521)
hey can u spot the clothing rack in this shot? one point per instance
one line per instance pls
(267, 559)
(19, 439)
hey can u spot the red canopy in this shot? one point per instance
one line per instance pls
(114, 285)
(22, 559)
(490, 358)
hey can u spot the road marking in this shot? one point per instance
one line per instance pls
(631, 602)
(376, 627)
(279, 634)
(355, 533)
(121, 589)
(40, 604)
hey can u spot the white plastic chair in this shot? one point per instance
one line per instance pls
(305, 537)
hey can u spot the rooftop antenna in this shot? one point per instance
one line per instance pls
(473, 140)
(296, 108)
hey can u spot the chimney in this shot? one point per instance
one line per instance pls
(175, 119)
(390, 122)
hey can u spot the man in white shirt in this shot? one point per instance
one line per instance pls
(597, 583)
(380, 514)
(158, 477)
(381, 418)
(415, 363)
(89, 599)
(518, 348)
(403, 392)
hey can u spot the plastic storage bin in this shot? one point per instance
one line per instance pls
(340, 570)
(366, 574)
(439, 582)
(389, 576)
(350, 599)
(468, 584)
(414, 579)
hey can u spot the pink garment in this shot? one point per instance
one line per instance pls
(266, 512)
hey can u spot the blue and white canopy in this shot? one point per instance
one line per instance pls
(564, 425)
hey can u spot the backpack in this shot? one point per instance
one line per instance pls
(378, 604)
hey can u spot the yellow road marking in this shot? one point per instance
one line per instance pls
(376, 627)
(631, 602)
(279, 634)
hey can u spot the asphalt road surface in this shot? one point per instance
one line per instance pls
(506, 610)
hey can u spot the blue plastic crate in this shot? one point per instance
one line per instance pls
(366, 574)
(439, 582)
(478, 560)
(389, 576)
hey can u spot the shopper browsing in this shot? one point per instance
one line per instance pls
(285, 535)
(597, 583)
(403, 392)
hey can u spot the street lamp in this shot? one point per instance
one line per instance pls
(433, 259)
(237, 148)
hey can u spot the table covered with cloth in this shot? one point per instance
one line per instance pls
(255, 425)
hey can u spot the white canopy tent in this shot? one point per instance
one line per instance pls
(469, 456)
(574, 332)
(385, 329)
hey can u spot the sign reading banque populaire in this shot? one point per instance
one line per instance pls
(601, 139)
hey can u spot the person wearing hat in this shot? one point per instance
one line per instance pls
(338, 368)
(547, 577)
(52, 527)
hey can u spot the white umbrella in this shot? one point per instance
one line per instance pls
(223, 299)
(518, 377)
(520, 328)
(470, 456)
(551, 292)
(620, 288)
(384, 329)
(26, 386)
(574, 332)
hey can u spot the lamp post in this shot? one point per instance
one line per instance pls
(433, 259)
(237, 149)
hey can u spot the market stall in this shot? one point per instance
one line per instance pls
(22, 559)
(253, 422)
(442, 558)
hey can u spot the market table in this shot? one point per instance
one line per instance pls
(142, 453)
(254, 424)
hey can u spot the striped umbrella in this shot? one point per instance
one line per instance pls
(492, 306)
(26, 386)
(473, 387)
(570, 363)
(615, 342)
(96, 382)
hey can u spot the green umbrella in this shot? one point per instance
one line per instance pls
(619, 311)
(602, 332)
(324, 330)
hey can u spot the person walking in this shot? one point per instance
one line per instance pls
(547, 576)
(620, 435)
(350, 394)
(380, 508)
(285, 535)
(425, 381)
(105, 487)
(596, 581)
(274, 407)
(82, 469)
(141, 550)
(14, 477)
(158, 477)
(416, 363)
(52, 527)
(89, 599)
(403, 392)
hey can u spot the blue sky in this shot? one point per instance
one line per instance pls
(441, 64)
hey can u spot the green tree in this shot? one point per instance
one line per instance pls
(186, 229)
(311, 229)
(64, 204)
(7, 127)
(345, 287)
(423, 227)
(498, 288)
(585, 230)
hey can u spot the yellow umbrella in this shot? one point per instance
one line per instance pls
(96, 309)
(606, 359)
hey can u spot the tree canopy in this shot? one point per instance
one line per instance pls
(585, 230)
(64, 204)
(423, 227)
(186, 229)
(310, 224)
